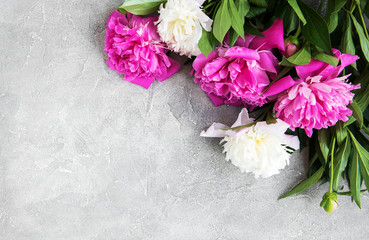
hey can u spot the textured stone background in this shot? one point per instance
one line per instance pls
(85, 155)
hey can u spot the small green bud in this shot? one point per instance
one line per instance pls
(329, 202)
(293, 40)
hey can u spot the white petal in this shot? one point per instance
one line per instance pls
(205, 21)
(215, 131)
(200, 1)
(291, 141)
(243, 118)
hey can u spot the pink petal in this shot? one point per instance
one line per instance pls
(241, 52)
(214, 66)
(174, 67)
(244, 43)
(217, 101)
(261, 78)
(346, 59)
(116, 14)
(311, 69)
(273, 37)
(202, 60)
(279, 86)
(268, 61)
(144, 82)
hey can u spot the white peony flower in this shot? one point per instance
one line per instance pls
(180, 25)
(261, 148)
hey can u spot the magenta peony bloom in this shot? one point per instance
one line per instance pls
(320, 98)
(239, 75)
(134, 49)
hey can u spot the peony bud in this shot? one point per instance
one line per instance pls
(329, 202)
(291, 47)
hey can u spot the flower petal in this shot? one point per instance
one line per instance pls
(243, 118)
(174, 67)
(217, 100)
(202, 60)
(144, 82)
(279, 86)
(311, 69)
(215, 130)
(268, 61)
(273, 37)
(241, 52)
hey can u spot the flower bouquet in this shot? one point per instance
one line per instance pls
(302, 71)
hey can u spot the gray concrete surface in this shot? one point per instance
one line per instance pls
(85, 155)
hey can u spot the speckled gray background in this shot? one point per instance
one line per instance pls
(85, 155)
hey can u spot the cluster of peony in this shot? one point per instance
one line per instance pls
(244, 74)
(137, 46)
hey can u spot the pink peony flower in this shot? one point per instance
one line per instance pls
(134, 49)
(320, 98)
(239, 75)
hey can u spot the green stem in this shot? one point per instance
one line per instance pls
(352, 7)
(331, 179)
(362, 20)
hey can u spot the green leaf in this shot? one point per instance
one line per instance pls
(364, 42)
(364, 165)
(302, 57)
(366, 130)
(366, 114)
(122, 11)
(362, 94)
(290, 20)
(332, 60)
(355, 179)
(363, 158)
(314, 165)
(356, 112)
(233, 36)
(252, 30)
(243, 7)
(324, 139)
(286, 63)
(331, 16)
(255, 11)
(347, 44)
(237, 20)
(340, 163)
(351, 120)
(306, 184)
(366, 10)
(333, 22)
(349, 193)
(259, 3)
(364, 141)
(304, 139)
(222, 22)
(318, 150)
(315, 30)
(141, 7)
(341, 132)
(205, 43)
(297, 10)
